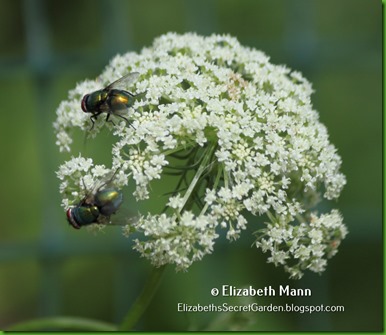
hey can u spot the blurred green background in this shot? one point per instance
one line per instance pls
(48, 268)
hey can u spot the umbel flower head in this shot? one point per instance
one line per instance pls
(232, 136)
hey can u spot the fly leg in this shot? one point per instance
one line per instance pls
(107, 119)
(121, 116)
(93, 117)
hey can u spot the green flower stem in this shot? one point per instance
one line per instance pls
(226, 179)
(271, 217)
(215, 184)
(67, 323)
(203, 166)
(143, 300)
(178, 149)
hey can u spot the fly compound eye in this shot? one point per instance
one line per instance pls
(71, 219)
(84, 102)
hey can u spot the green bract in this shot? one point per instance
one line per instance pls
(233, 134)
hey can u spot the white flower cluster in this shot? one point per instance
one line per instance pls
(240, 134)
(304, 246)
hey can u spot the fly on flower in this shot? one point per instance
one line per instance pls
(96, 207)
(113, 99)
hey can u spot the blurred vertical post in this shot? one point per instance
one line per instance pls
(39, 58)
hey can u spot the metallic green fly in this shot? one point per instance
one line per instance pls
(113, 99)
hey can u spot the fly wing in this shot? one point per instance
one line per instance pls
(124, 82)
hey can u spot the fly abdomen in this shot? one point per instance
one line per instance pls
(108, 201)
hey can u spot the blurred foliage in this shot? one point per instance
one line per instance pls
(49, 269)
